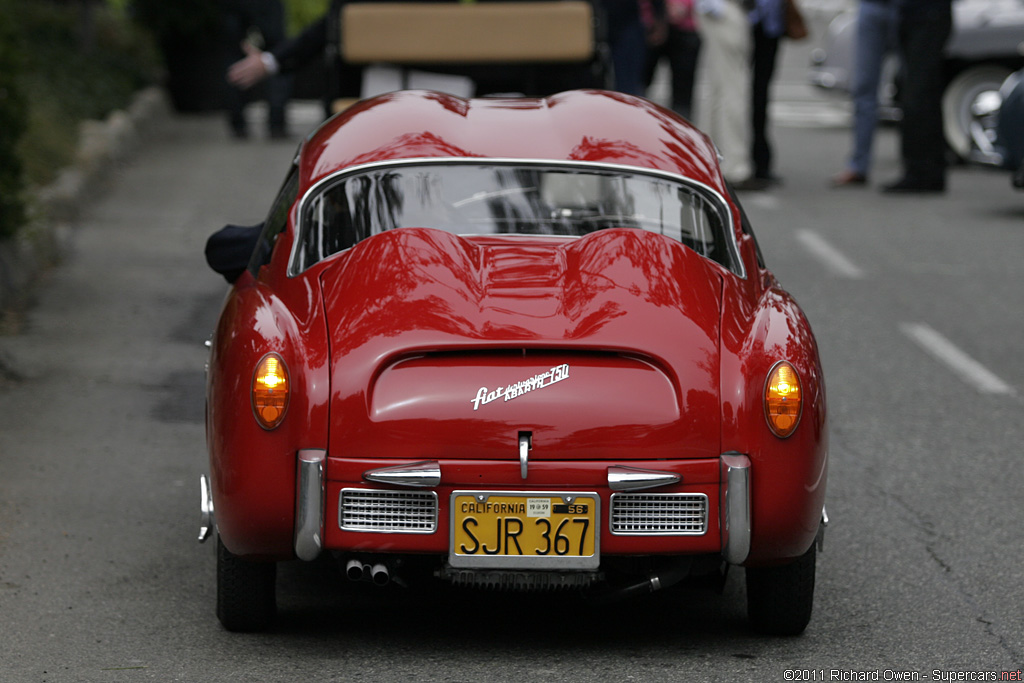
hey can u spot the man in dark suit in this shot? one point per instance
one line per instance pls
(265, 17)
(318, 40)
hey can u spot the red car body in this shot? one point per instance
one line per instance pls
(620, 364)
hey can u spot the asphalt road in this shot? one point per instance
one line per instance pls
(101, 447)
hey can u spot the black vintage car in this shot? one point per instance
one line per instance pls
(998, 128)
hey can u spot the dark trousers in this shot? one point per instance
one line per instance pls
(923, 33)
(681, 49)
(628, 45)
(765, 50)
(266, 16)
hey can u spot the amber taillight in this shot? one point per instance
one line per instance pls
(782, 399)
(270, 389)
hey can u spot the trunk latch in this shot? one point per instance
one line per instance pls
(525, 444)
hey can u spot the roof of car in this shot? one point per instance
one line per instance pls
(580, 125)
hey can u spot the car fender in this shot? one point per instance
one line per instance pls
(788, 475)
(252, 468)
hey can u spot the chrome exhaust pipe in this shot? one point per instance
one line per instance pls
(379, 574)
(354, 570)
(655, 581)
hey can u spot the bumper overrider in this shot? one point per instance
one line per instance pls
(696, 500)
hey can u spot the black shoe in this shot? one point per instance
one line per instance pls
(912, 186)
(750, 185)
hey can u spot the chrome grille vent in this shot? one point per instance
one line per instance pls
(408, 512)
(659, 514)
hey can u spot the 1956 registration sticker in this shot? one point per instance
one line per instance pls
(525, 530)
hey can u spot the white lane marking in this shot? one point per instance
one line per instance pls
(764, 200)
(970, 370)
(831, 257)
(820, 114)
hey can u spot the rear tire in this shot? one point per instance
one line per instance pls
(780, 599)
(246, 599)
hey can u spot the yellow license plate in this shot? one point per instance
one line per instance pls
(528, 530)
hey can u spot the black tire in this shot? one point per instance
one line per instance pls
(246, 599)
(780, 599)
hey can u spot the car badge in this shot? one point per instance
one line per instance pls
(539, 381)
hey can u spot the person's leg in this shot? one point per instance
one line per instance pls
(924, 142)
(234, 98)
(875, 29)
(271, 22)
(654, 55)
(683, 51)
(765, 50)
(726, 40)
(627, 41)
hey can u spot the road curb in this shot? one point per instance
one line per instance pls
(101, 146)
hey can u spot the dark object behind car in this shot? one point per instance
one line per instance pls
(998, 128)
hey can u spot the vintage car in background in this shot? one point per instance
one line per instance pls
(519, 343)
(986, 46)
(999, 128)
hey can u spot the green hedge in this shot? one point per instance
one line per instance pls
(56, 70)
(301, 13)
(72, 74)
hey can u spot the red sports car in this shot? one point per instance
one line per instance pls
(526, 343)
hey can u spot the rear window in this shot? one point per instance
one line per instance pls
(509, 199)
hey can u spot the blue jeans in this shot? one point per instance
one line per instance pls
(876, 38)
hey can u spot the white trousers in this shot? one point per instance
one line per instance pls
(726, 113)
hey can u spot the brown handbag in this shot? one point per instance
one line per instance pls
(796, 27)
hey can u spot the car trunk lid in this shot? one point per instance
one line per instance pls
(444, 347)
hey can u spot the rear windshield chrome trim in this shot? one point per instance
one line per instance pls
(722, 205)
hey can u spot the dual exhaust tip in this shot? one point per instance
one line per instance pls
(378, 573)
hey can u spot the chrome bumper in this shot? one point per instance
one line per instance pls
(206, 520)
(735, 507)
(309, 503)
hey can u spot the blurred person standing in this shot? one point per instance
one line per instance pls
(258, 24)
(768, 26)
(876, 38)
(314, 42)
(627, 41)
(677, 41)
(725, 36)
(923, 27)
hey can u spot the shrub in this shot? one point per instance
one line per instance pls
(109, 67)
(301, 13)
